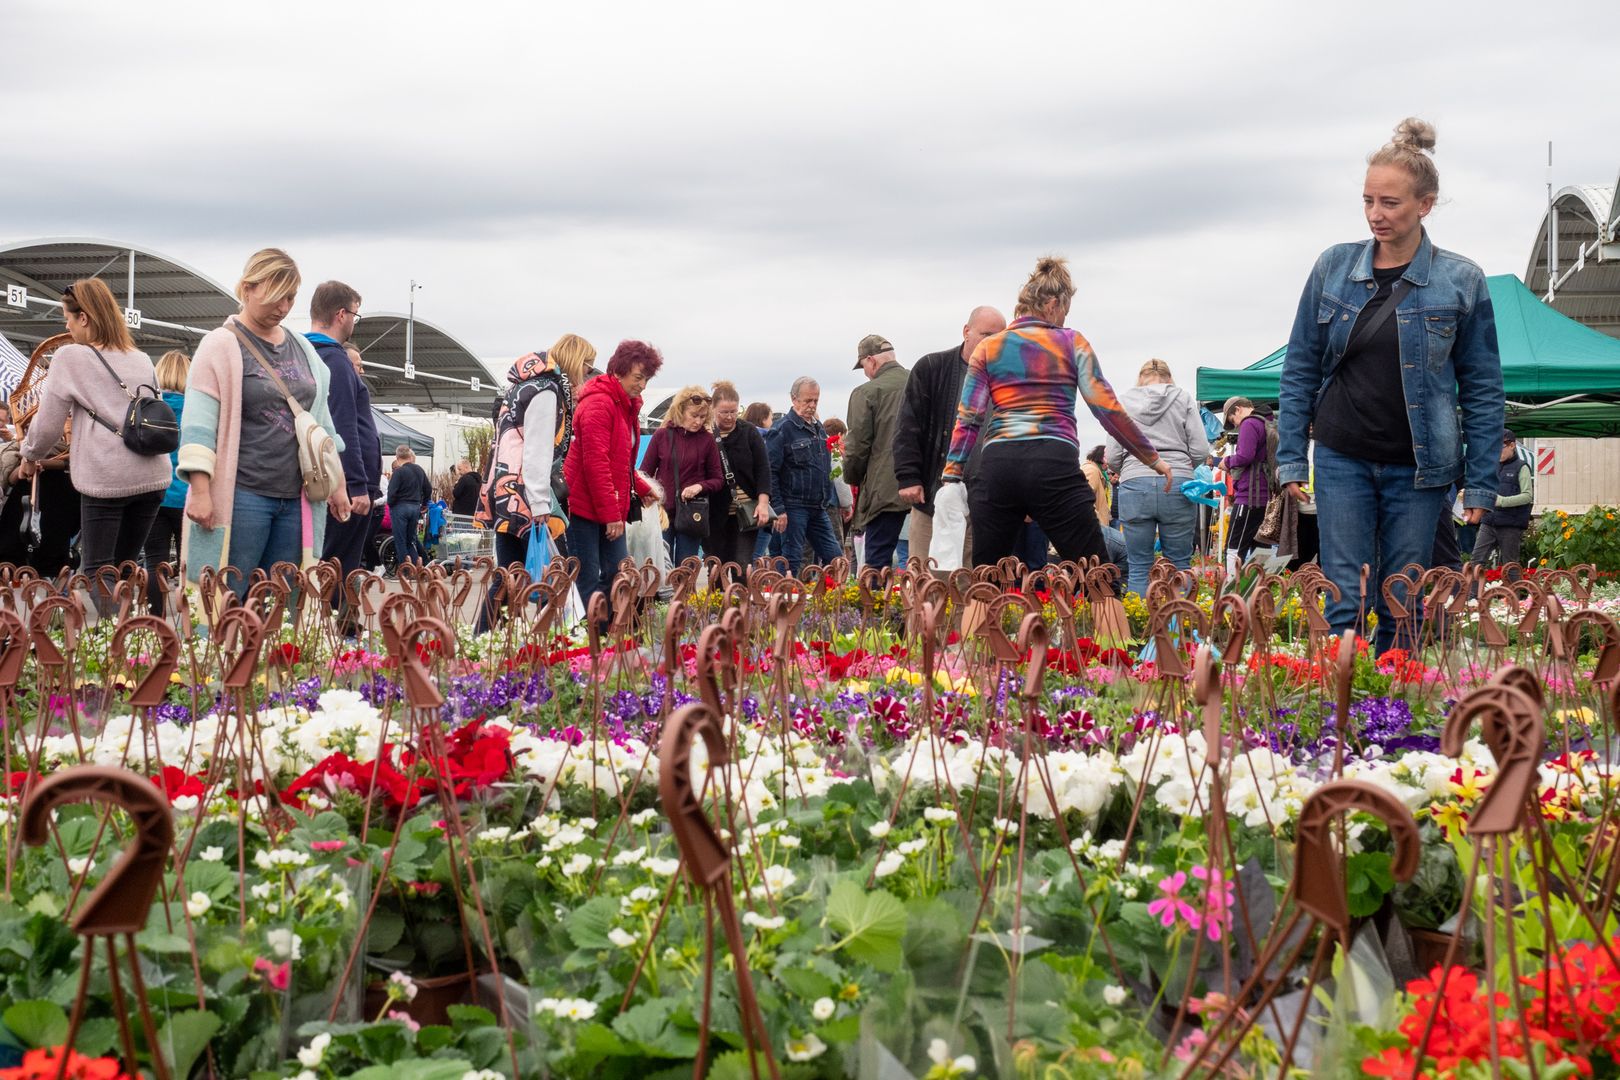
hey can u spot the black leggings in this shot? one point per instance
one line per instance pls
(1036, 478)
(1246, 522)
(162, 546)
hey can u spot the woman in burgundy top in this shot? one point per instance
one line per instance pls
(683, 458)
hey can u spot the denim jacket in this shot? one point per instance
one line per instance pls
(1449, 364)
(801, 465)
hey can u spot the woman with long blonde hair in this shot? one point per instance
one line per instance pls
(684, 460)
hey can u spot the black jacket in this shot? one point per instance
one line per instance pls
(409, 484)
(464, 496)
(922, 435)
(743, 450)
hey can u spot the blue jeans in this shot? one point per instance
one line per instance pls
(810, 523)
(264, 531)
(883, 537)
(599, 557)
(1148, 514)
(1370, 514)
(404, 518)
(682, 547)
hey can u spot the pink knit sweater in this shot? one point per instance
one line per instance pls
(101, 466)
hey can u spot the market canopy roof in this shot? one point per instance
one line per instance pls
(1561, 378)
(448, 375)
(174, 304)
(1583, 278)
(390, 433)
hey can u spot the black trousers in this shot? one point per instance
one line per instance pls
(162, 546)
(58, 513)
(113, 531)
(1246, 522)
(1039, 479)
(346, 541)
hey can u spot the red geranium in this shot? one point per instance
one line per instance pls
(175, 782)
(44, 1065)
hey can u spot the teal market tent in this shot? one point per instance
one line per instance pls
(390, 433)
(1561, 378)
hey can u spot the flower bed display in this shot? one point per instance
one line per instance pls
(959, 835)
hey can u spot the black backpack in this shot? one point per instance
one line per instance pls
(150, 427)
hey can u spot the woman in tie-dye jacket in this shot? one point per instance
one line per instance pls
(1027, 378)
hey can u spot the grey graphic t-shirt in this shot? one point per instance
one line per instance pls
(267, 461)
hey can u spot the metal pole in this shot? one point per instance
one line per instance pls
(129, 291)
(1552, 230)
(410, 327)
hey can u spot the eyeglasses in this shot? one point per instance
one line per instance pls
(354, 314)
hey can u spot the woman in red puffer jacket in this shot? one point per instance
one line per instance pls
(600, 468)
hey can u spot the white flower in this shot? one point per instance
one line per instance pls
(629, 856)
(890, 863)
(663, 867)
(1008, 827)
(805, 1048)
(496, 834)
(938, 815)
(184, 804)
(305, 1074)
(754, 918)
(482, 1074)
(824, 1008)
(404, 984)
(280, 859)
(879, 831)
(575, 1009)
(212, 854)
(312, 1055)
(644, 817)
(544, 826)
(544, 863)
(262, 890)
(197, 904)
(621, 938)
(284, 943)
(77, 865)
(775, 881)
(642, 894)
(1114, 995)
(911, 847)
(587, 823)
(577, 864)
(789, 842)
(939, 1052)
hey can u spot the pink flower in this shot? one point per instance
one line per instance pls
(279, 976)
(1171, 908)
(1218, 898)
(326, 845)
(404, 1018)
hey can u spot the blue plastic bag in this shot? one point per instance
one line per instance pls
(541, 551)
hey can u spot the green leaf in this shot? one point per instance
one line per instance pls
(599, 1039)
(184, 1037)
(434, 1037)
(37, 1023)
(589, 923)
(805, 982)
(872, 924)
(417, 1069)
(650, 1026)
(385, 931)
(96, 1036)
(469, 1016)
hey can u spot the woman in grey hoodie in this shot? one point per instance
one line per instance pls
(1169, 417)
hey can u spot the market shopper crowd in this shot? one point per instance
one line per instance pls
(1334, 471)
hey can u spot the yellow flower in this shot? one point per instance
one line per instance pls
(1469, 788)
(849, 992)
(1449, 817)
(899, 674)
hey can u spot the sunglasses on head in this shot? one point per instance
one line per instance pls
(697, 399)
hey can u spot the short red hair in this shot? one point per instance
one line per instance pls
(631, 355)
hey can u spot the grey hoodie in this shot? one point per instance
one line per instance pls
(1169, 417)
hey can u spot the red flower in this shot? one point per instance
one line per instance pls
(286, 654)
(177, 782)
(43, 1065)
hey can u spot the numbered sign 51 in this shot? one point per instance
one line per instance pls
(17, 296)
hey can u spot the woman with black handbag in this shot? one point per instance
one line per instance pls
(90, 383)
(685, 460)
(743, 506)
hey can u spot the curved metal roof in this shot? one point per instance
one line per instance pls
(1585, 284)
(163, 289)
(445, 367)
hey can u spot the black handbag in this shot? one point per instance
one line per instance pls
(150, 427)
(691, 516)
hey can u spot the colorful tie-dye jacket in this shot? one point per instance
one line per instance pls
(1028, 375)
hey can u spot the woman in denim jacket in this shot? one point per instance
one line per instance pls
(1349, 361)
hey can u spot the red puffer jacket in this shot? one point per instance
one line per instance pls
(600, 469)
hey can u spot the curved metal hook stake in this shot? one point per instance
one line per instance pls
(1318, 885)
(1512, 727)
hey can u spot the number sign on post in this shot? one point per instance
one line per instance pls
(410, 369)
(132, 318)
(17, 296)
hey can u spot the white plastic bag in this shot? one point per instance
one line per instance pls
(646, 541)
(950, 527)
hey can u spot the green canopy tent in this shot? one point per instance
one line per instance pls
(1562, 379)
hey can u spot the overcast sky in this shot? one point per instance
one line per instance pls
(754, 187)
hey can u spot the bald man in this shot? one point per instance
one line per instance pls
(927, 417)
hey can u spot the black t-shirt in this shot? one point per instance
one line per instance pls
(1363, 410)
(464, 496)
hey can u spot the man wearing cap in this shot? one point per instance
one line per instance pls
(1246, 464)
(869, 449)
(1502, 531)
(926, 421)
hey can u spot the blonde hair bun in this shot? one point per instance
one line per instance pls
(1415, 133)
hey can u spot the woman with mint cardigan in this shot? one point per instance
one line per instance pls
(250, 512)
